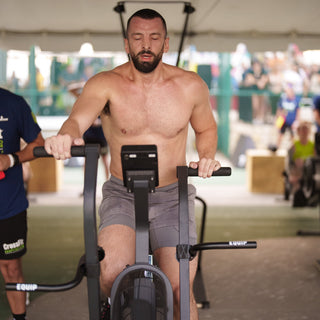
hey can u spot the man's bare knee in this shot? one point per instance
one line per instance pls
(116, 241)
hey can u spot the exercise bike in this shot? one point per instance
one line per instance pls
(141, 291)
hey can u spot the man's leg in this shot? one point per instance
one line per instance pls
(118, 242)
(166, 259)
(12, 272)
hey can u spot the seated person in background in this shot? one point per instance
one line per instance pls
(301, 149)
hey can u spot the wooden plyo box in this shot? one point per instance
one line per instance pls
(264, 170)
(46, 175)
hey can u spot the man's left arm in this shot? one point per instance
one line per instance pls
(205, 128)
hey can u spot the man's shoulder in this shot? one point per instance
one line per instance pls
(117, 73)
(182, 75)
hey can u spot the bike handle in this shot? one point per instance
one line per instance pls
(76, 151)
(223, 171)
(222, 245)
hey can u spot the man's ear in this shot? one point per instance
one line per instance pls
(126, 45)
(166, 45)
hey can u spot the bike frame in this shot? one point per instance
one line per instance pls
(89, 264)
(140, 182)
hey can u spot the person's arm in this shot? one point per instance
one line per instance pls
(205, 128)
(24, 155)
(263, 81)
(85, 111)
(249, 80)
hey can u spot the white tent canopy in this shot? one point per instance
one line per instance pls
(216, 25)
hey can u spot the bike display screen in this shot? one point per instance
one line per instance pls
(139, 158)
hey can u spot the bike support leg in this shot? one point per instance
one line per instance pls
(198, 286)
(90, 232)
(183, 254)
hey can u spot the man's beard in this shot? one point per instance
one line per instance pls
(146, 66)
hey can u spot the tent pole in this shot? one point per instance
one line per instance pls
(188, 9)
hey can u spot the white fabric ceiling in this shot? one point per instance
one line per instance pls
(216, 25)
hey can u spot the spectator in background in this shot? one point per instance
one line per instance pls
(301, 149)
(240, 61)
(13, 82)
(287, 112)
(275, 83)
(256, 78)
(315, 80)
(295, 75)
(68, 76)
(16, 122)
(39, 80)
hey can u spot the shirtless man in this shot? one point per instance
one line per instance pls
(144, 101)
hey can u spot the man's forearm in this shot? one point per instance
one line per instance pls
(206, 143)
(71, 128)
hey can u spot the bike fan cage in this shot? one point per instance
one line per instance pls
(188, 9)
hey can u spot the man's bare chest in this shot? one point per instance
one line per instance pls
(164, 112)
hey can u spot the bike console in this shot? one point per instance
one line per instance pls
(139, 162)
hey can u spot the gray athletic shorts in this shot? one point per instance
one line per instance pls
(117, 207)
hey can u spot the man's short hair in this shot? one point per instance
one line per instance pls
(147, 14)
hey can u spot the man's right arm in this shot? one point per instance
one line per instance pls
(84, 112)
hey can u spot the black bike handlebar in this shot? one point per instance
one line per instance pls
(80, 273)
(223, 171)
(222, 245)
(31, 287)
(80, 151)
(76, 151)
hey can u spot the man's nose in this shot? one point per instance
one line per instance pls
(146, 44)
